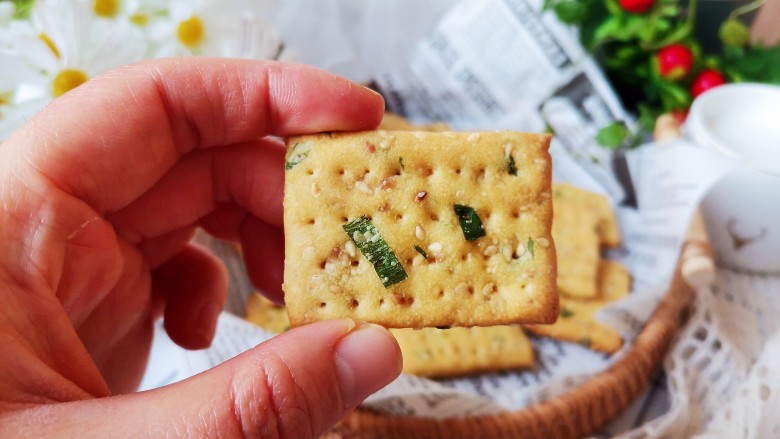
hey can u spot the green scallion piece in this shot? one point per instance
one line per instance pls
(511, 166)
(297, 154)
(469, 222)
(566, 313)
(401, 162)
(421, 251)
(530, 246)
(367, 238)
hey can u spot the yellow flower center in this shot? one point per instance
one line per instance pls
(191, 32)
(67, 80)
(107, 8)
(5, 99)
(139, 19)
(50, 44)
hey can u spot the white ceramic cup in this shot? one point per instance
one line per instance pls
(742, 210)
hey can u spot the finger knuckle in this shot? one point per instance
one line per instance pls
(272, 403)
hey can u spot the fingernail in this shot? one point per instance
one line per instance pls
(373, 91)
(367, 359)
(207, 321)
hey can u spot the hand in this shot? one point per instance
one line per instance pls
(101, 194)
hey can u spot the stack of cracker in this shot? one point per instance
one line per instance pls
(583, 223)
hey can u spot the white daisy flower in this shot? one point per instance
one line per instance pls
(60, 48)
(211, 28)
(69, 47)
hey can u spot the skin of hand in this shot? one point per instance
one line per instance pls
(101, 193)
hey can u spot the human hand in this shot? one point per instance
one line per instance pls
(101, 194)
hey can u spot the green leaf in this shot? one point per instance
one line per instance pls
(648, 115)
(627, 52)
(597, 14)
(371, 244)
(401, 162)
(672, 11)
(612, 135)
(755, 64)
(605, 31)
(679, 34)
(614, 8)
(566, 313)
(23, 8)
(673, 96)
(530, 246)
(571, 11)
(624, 56)
(469, 222)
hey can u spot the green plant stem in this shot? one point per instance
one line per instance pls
(746, 8)
(673, 37)
(692, 13)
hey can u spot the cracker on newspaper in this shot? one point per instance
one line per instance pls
(433, 352)
(577, 246)
(577, 322)
(607, 227)
(417, 229)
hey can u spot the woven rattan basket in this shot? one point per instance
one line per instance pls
(574, 414)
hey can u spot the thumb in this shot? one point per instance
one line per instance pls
(297, 385)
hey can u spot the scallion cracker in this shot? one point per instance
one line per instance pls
(471, 240)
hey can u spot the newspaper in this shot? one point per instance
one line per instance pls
(505, 64)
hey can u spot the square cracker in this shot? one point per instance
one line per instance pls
(607, 227)
(432, 352)
(407, 184)
(574, 230)
(577, 322)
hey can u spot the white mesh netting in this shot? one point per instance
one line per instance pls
(723, 371)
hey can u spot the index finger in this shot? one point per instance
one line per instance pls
(111, 139)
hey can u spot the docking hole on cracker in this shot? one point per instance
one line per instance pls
(412, 229)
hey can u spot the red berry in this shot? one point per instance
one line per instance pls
(636, 6)
(674, 61)
(706, 80)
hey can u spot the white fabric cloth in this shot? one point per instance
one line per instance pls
(723, 371)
